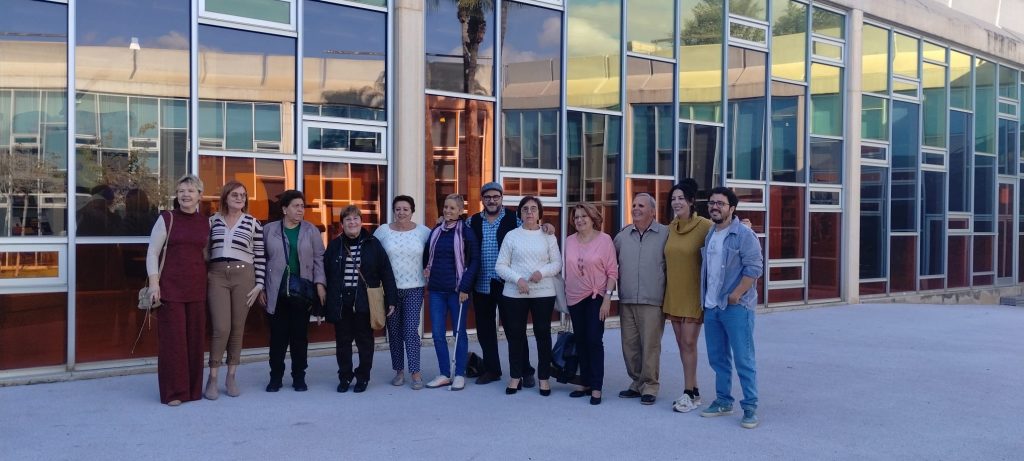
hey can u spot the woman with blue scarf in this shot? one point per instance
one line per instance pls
(450, 261)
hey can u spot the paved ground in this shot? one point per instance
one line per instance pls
(852, 382)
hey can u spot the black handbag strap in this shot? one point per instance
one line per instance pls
(288, 253)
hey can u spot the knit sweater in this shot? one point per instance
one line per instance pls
(522, 253)
(243, 242)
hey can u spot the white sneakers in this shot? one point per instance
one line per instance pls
(439, 381)
(685, 404)
(459, 383)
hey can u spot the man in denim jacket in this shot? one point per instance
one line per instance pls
(732, 263)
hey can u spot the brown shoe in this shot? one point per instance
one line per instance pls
(212, 393)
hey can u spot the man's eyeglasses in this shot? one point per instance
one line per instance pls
(717, 204)
(492, 198)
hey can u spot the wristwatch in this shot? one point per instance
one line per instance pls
(609, 292)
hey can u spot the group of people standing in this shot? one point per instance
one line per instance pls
(695, 271)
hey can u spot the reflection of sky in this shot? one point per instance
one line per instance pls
(34, 18)
(594, 28)
(214, 38)
(444, 31)
(156, 23)
(344, 29)
(533, 34)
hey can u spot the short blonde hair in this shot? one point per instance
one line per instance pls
(592, 212)
(192, 180)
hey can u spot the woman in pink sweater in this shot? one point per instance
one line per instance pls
(591, 270)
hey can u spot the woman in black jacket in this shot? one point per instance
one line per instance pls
(352, 260)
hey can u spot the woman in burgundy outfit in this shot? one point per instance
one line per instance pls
(181, 289)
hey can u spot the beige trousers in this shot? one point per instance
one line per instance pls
(227, 284)
(641, 327)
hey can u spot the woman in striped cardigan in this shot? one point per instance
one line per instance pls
(235, 277)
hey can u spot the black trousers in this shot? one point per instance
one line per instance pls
(486, 308)
(289, 327)
(588, 329)
(517, 314)
(353, 326)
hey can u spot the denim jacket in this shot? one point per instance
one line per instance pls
(742, 258)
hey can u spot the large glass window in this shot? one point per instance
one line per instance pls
(984, 193)
(132, 78)
(826, 100)
(786, 223)
(33, 119)
(34, 330)
(905, 56)
(985, 110)
(824, 270)
(874, 121)
(330, 187)
(789, 39)
(788, 111)
(874, 184)
(903, 263)
(933, 105)
(459, 149)
(649, 92)
(594, 164)
(1004, 229)
(958, 264)
(650, 28)
(960, 68)
(700, 158)
(106, 320)
(460, 47)
(746, 113)
(875, 60)
(960, 154)
(826, 161)
(905, 153)
(1007, 82)
(700, 60)
(344, 62)
(247, 91)
(531, 86)
(933, 223)
(1007, 146)
(593, 50)
(265, 180)
(754, 9)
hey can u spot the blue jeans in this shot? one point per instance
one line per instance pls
(443, 305)
(729, 334)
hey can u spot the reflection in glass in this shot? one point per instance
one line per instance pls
(960, 68)
(829, 23)
(650, 137)
(960, 175)
(1007, 82)
(747, 113)
(826, 100)
(330, 187)
(1007, 146)
(874, 186)
(933, 52)
(33, 120)
(753, 9)
(459, 149)
(700, 158)
(28, 264)
(344, 62)
(35, 329)
(933, 223)
(265, 179)
(657, 188)
(933, 104)
(592, 53)
(789, 39)
(594, 165)
(983, 248)
(342, 140)
(903, 263)
(278, 11)
(985, 107)
(531, 86)
(700, 60)
(650, 27)
(748, 33)
(826, 161)
(825, 235)
(786, 223)
(460, 47)
(958, 262)
(827, 50)
(905, 55)
(875, 60)
(788, 106)
(874, 119)
(247, 91)
(905, 154)
(984, 193)
(1004, 231)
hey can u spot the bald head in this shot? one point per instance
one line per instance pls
(643, 211)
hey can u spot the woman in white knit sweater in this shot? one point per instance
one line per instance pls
(527, 261)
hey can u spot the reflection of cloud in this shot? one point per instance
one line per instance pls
(594, 30)
(510, 55)
(172, 40)
(551, 33)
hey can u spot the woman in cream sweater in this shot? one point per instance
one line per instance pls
(527, 261)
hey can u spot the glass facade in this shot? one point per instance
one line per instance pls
(571, 101)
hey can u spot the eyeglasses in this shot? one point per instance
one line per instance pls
(717, 204)
(492, 198)
(236, 195)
